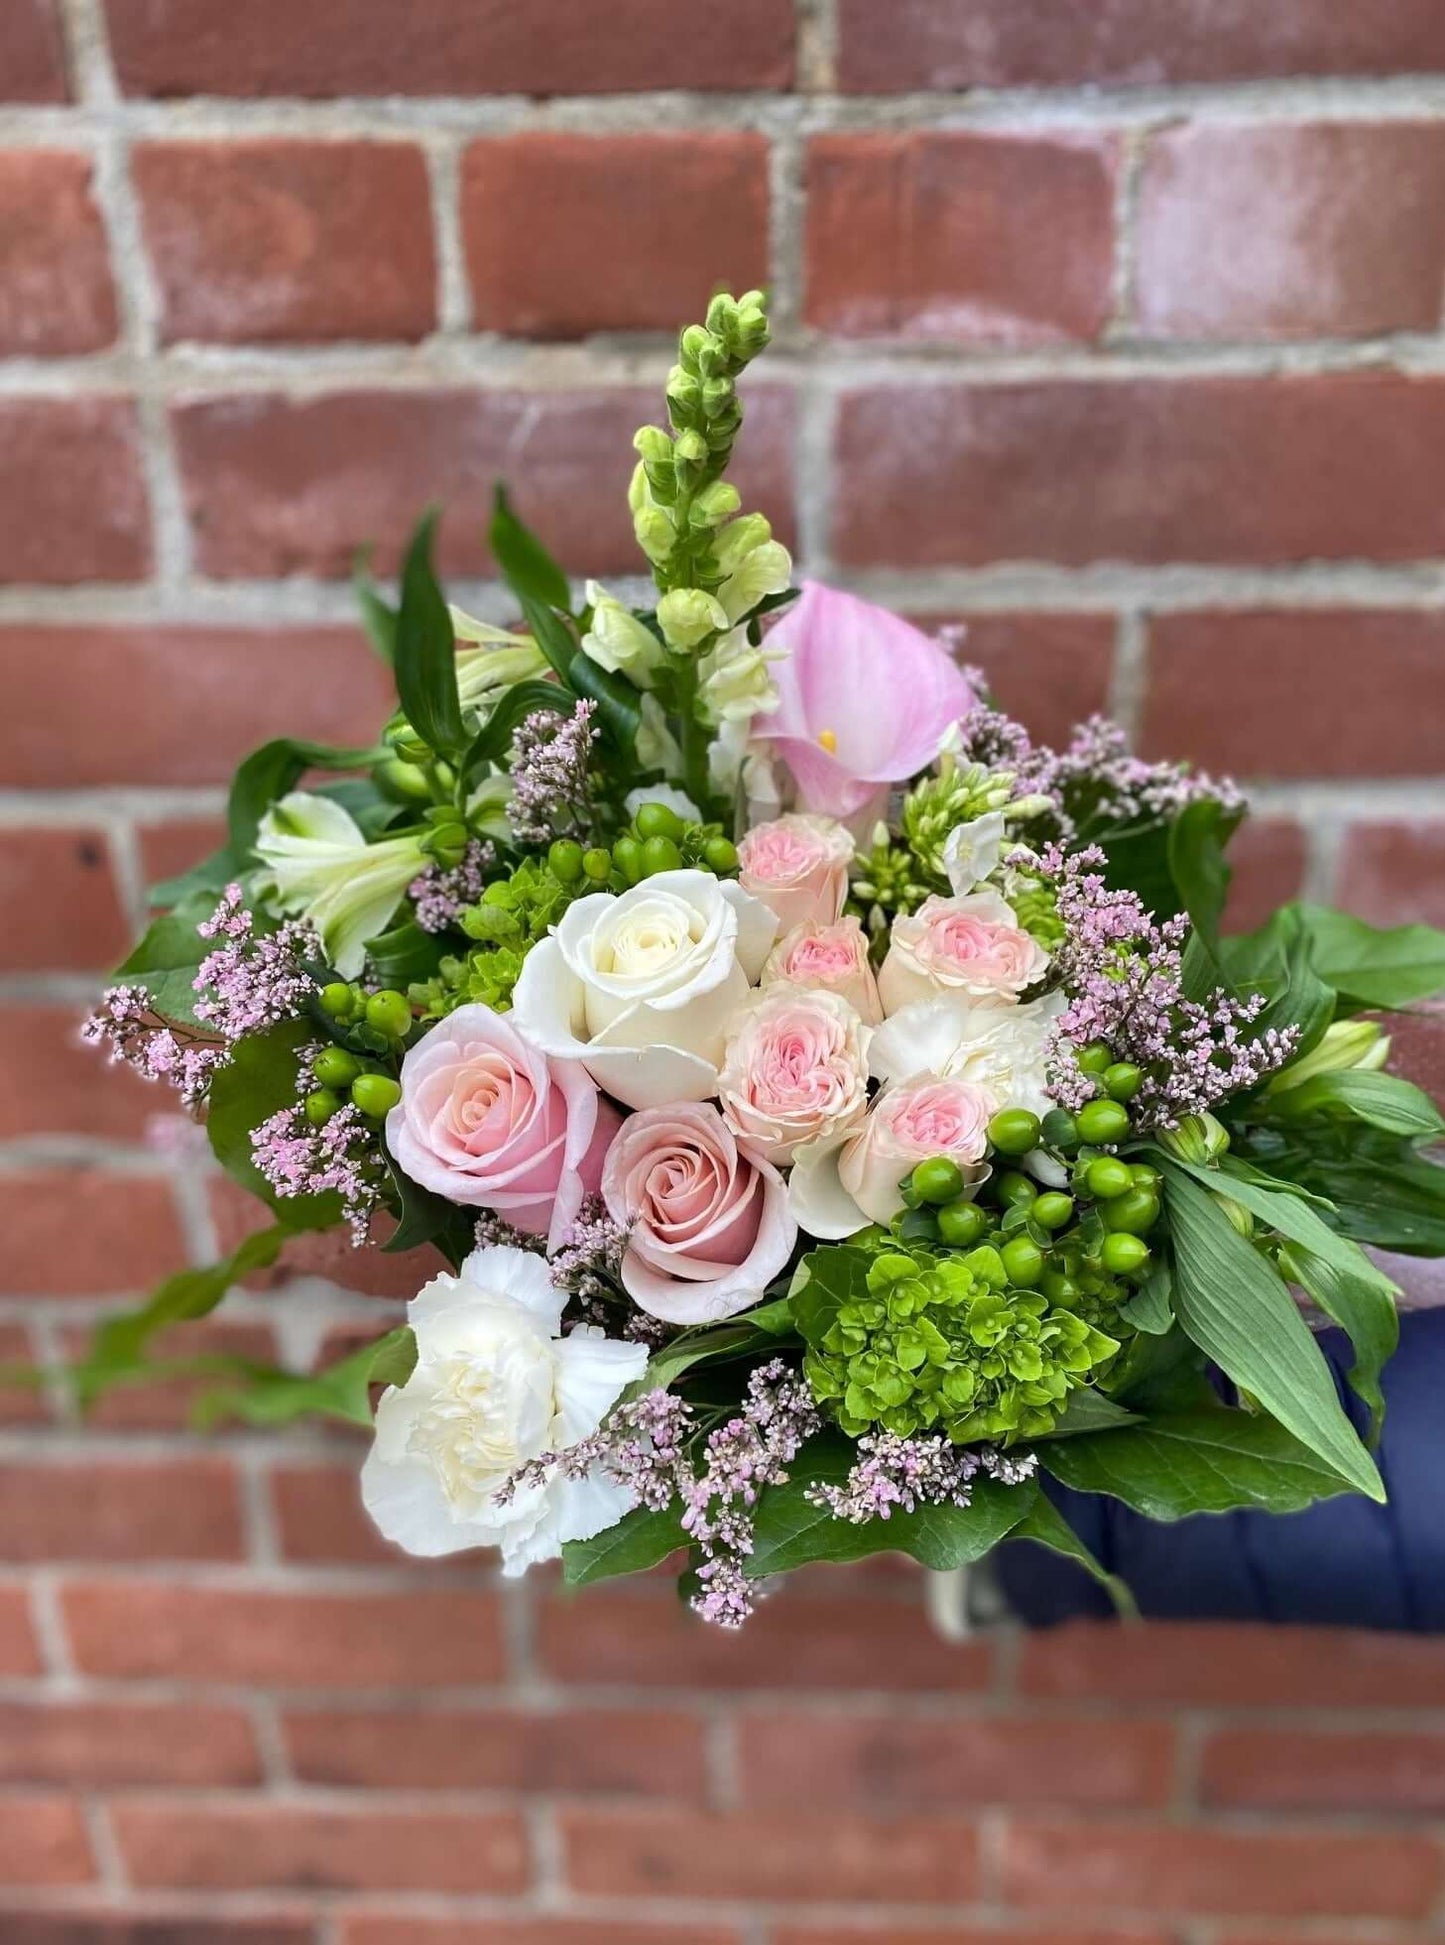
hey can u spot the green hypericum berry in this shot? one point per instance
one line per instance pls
(1123, 1080)
(321, 1105)
(1134, 1212)
(1022, 1261)
(1014, 1188)
(375, 1094)
(627, 856)
(938, 1180)
(335, 1067)
(565, 859)
(960, 1224)
(1145, 1177)
(1094, 1059)
(1106, 1176)
(336, 1000)
(1059, 1129)
(390, 1013)
(1014, 1131)
(660, 854)
(1059, 1287)
(1101, 1122)
(919, 1226)
(658, 820)
(720, 854)
(1054, 1210)
(1123, 1254)
(597, 865)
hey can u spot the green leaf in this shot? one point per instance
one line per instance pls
(258, 1081)
(426, 1217)
(1138, 861)
(269, 1396)
(1384, 1100)
(641, 1539)
(792, 1532)
(526, 566)
(211, 876)
(493, 739)
(1202, 1462)
(1150, 1308)
(1379, 1190)
(378, 617)
(1277, 961)
(426, 650)
(268, 773)
(619, 707)
(1046, 1526)
(405, 955)
(823, 1280)
(168, 957)
(1374, 967)
(552, 636)
(1196, 841)
(1239, 1313)
(1088, 1411)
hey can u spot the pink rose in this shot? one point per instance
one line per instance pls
(837, 1188)
(832, 959)
(973, 947)
(798, 867)
(795, 1070)
(486, 1120)
(707, 1217)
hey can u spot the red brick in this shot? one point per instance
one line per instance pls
(139, 1927)
(1377, 1773)
(320, 1516)
(165, 1404)
(130, 1236)
(535, 205)
(242, 1845)
(1393, 874)
(21, 1402)
(59, 902)
(643, 1635)
(767, 1855)
(85, 1510)
(288, 241)
(56, 294)
(1221, 469)
(1299, 692)
(1329, 229)
(365, 47)
(890, 1934)
(34, 67)
(102, 705)
(371, 1272)
(1050, 670)
(948, 234)
(295, 486)
(19, 1651)
(104, 1745)
(890, 1764)
(73, 491)
(55, 1084)
(1000, 44)
(1417, 1046)
(630, 1752)
(1203, 1664)
(1127, 1866)
(411, 1930)
(43, 1841)
(417, 1638)
(166, 850)
(1268, 856)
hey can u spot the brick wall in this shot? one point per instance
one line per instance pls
(1112, 330)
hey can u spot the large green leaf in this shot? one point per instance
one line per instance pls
(1199, 1462)
(1239, 1313)
(1371, 966)
(211, 875)
(641, 1539)
(1379, 1190)
(426, 650)
(1196, 842)
(493, 739)
(166, 960)
(792, 1532)
(1088, 1411)
(1046, 1526)
(267, 1396)
(258, 1081)
(526, 566)
(268, 773)
(1384, 1100)
(1277, 961)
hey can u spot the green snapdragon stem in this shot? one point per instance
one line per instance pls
(692, 738)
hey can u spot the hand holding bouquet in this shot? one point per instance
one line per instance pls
(820, 1112)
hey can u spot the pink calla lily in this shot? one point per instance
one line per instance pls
(865, 699)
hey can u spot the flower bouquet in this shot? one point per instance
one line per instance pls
(827, 1116)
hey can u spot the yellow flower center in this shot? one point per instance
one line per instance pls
(829, 740)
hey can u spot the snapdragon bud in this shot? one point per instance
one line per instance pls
(722, 429)
(688, 616)
(691, 449)
(695, 345)
(718, 396)
(656, 535)
(1199, 1138)
(738, 539)
(684, 396)
(714, 504)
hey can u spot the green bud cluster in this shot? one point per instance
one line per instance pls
(888, 879)
(922, 1342)
(1036, 907)
(958, 794)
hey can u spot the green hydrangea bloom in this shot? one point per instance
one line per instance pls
(921, 1343)
(1035, 904)
(508, 919)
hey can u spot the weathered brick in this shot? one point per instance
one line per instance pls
(1002, 44)
(1091, 1866)
(891, 1765)
(1268, 856)
(1326, 229)
(537, 204)
(34, 67)
(1217, 469)
(418, 1638)
(56, 295)
(1393, 874)
(43, 1842)
(1051, 671)
(174, 703)
(950, 234)
(139, 1925)
(628, 1752)
(72, 488)
(56, 1084)
(235, 1846)
(768, 1855)
(292, 241)
(364, 47)
(130, 1236)
(58, 902)
(22, 1401)
(885, 1932)
(104, 1745)
(168, 849)
(413, 1930)
(371, 1272)
(1376, 1772)
(296, 486)
(85, 1510)
(19, 1650)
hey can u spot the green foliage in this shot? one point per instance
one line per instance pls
(1379, 1190)
(509, 919)
(641, 1539)
(426, 651)
(526, 566)
(258, 1081)
(267, 1396)
(1361, 1094)
(915, 1342)
(1195, 851)
(277, 767)
(166, 960)
(1368, 966)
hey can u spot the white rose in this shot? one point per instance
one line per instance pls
(494, 1386)
(640, 988)
(317, 863)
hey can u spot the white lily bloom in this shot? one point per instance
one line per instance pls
(317, 864)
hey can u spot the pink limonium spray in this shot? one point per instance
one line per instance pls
(552, 780)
